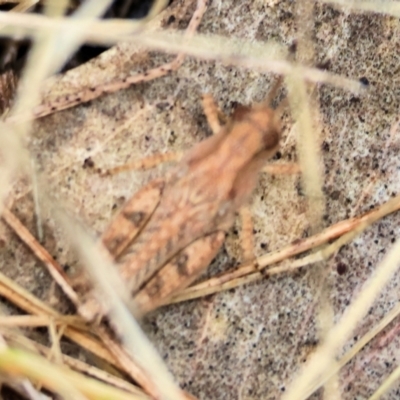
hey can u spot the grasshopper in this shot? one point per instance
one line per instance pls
(167, 234)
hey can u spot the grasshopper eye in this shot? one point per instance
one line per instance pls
(266, 122)
(271, 137)
(240, 112)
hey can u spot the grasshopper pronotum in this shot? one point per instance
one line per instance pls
(169, 231)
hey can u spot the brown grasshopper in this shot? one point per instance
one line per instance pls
(170, 230)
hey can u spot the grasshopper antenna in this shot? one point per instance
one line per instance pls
(271, 96)
(273, 92)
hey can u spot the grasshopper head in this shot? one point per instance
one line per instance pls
(264, 119)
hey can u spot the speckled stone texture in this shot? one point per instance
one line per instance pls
(249, 342)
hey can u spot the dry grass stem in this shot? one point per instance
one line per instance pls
(156, 379)
(244, 274)
(31, 304)
(76, 365)
(385, 7)
(321, 365)
(41, 253)
(59, 379)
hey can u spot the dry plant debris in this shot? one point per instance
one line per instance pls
(252, 341)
